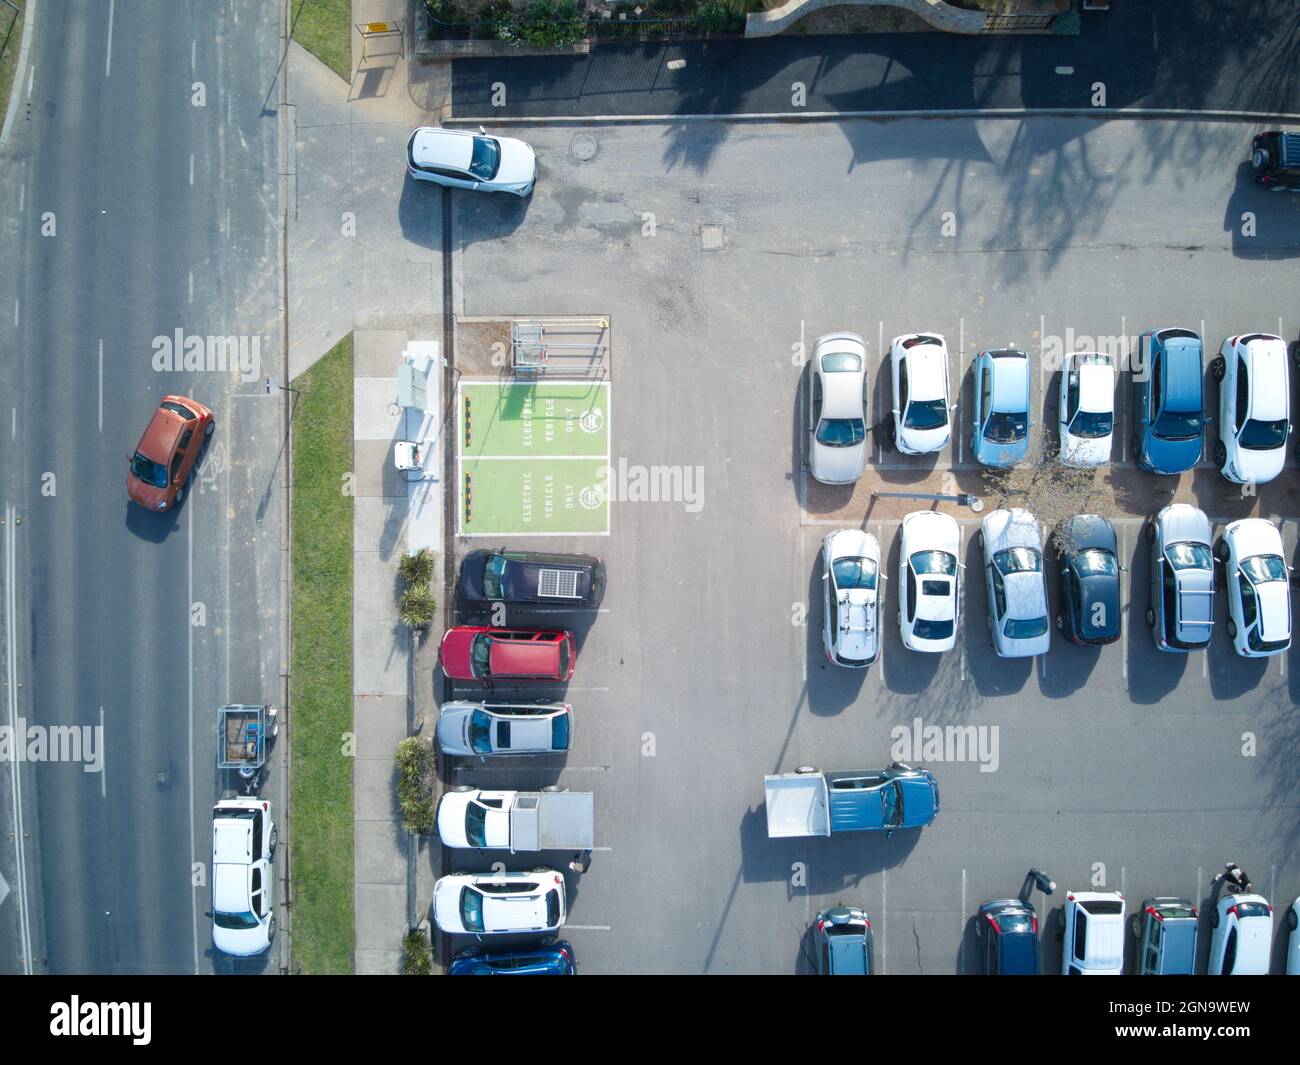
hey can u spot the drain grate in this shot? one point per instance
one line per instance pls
(713, 237)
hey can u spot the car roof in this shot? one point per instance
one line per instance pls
(1096, 386)
(927, 365)
(1182, 372)
(848, 954)
(1179, 950)
(1266, 358)
(442, 147)
(232, 840)
(160, 437)
(524, 657)
(1010, 382)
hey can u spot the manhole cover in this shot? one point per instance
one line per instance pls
(712, 237)
(584, 146)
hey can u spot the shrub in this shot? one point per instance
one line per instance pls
(415, 785)
(417, 568)
(416, 607)
(712, 17)
(417, 957)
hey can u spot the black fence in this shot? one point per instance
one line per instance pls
(1018, 23)
(525, 31)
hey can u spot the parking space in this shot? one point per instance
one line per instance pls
(1118, 767)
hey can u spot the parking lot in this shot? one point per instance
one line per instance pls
(719, 254)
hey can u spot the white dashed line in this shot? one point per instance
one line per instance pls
(108, 57)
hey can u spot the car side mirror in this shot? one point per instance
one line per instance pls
(895, 412)
(482, 130)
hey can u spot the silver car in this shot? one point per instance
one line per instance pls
(1181, 610)
(1016, 583)
(851, 608)
(837, 409)
(489, 730)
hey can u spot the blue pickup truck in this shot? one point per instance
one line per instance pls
(810, 803)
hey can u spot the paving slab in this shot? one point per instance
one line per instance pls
(379, 653)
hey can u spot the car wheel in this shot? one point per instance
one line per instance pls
(541, 869)
(275, 838)
(1232, 629)
(1221, 551)
(1214, 917)
(1259, 159)
(1291, 919)
(1149, 531)
(210, 426)
(1151, 617)
(554, 789)
(1060, 622)
(1134, 447)
(1220, 454)
(270, 928)
(462, 787)
(806, 769)
(1135, 926)
(1060, 922)
(979, 539)
(1218, 368)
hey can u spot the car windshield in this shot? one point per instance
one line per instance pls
(841, 432)
(471, 910)
(480, 732)
(1091, 425)
(1016, 922)
(493, 570)
(1262, 436)
(234, 921)
(891, 799)
(486, 159)
(1024, 628)
(925, 629)
(1189, 556)
(854, 573)
(481, 653)
(934, 562)
(1263, 568)
(1003, 428)
(841, 362)
(476, 824)
(564, 656)
(1095, 562)
(1018, 560)
(1178, 425)
(1251, 909)
(926, 414)
(560, 732)
(148, 471)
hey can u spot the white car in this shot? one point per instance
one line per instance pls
(929, 586)
(852, 596)
(837, 411)
(466, 729)
(1016, 583)
(1259, 587)
(1241, 937)
(484, 904)
(1092, 926)
(461, 159)
(922, 408)
(1254, 407)
(1293, 939)
(1087, 409)
(243, 876)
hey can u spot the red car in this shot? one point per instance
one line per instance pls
(167, 452)
(477, 652)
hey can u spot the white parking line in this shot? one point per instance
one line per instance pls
(191, 168)
(31, 78)
(961, 919)
(961, 391)
(588, 927)
(884, 925)
(108, 57)
(189, 640)
(101, 384)
(1200, 879)
(1127, 598)
(11, 656)
(22, 197)
(103, 759)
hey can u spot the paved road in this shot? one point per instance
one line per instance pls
(163, 218)
(705, 671)
(1185, 54)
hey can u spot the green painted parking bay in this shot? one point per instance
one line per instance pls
(517, 419)
(532, 458)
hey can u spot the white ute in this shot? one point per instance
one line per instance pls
(243, 876)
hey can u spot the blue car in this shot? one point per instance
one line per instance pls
(1168, 401)
(1000, 426)
(542, 959)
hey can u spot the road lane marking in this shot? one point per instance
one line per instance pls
(11, 651)
(31, 77)
(13, 423)
(101, 384)
(191, 168)
(108, 58)
(189, 641)
(1127, 597)
(961, 387)
(1065, 70)
(961, 943)
(191, 296)
(103, 759)
(589, 927)
(15, 312)
(22, 198)
(884, 925)
(194, 44)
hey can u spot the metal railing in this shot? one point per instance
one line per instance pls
(1012, 23)
(590, 27)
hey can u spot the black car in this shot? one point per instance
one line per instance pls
(532, 577)
(1089, 611)
(1275, 158)
(1007, 933)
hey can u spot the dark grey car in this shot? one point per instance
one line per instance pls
(1181, 608)
(1165, 929)
(843, 942)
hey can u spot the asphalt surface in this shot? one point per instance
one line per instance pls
(165, 217)
(1117, 767)
(1185, 54)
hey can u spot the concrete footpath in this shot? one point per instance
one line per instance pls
(365, 255)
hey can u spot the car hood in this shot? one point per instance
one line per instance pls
(446, 904)
(1009, 528)
(1104, 591)
(240, 942)
(452, 724)
(518, 163)
(992, 454)
(1183, 522)
(840, 465)
(1076, 451)
(471, 575)
(1259, 466)
(456, 653)
(147, 495)
(918, 802)
(1171, 456)
(922, 440)
(1255, 536)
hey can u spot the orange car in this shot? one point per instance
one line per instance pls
(163, 459)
